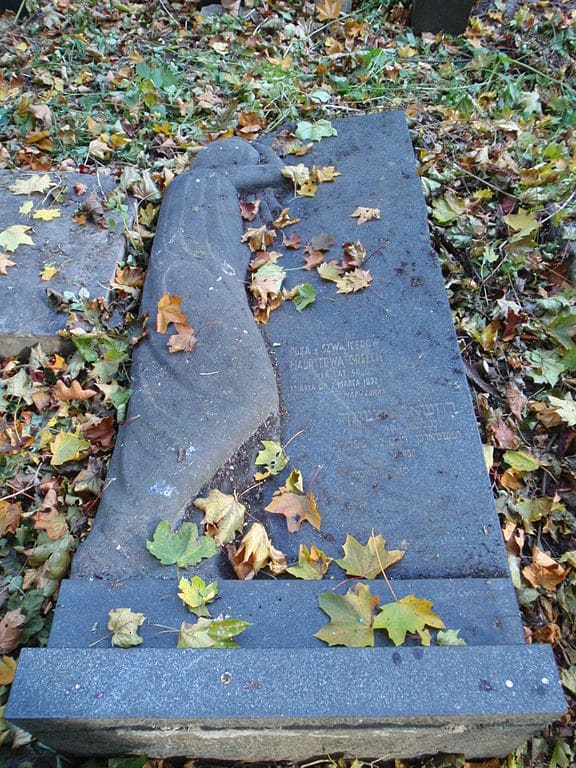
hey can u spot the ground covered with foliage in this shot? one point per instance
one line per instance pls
(140, 87)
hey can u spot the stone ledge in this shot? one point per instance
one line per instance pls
(284, 704)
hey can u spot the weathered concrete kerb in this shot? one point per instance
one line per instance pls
(373, 387)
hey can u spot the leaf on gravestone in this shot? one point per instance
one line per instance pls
(124, 623)
(565, 407)
(93, 210)
(325, 174)
(354, 255)
(169, 311)
(11, 628)
(48, 272)
(330, 270)
(13, 237)
(296, 508)
(26, 208)
(28, 186)
(258, 238)
(354, 281)
(7, 670)
(370, 560)
(522, 461)
(351, 617)
(195, 594)
(73, 392)
(46, 214)
(5, 262)
(273, 458)
(293, 241)
(266, 283)
(312, 563)
(255, 552)
(321, 129)
(322, 242)
(409, 615)
(284, 219)
(10, 514)
(544, 571)
(299, 174)
(249, 210)
(211, 633)
(67, 446)
(183, 547)
(223, 515)
(302, 296)
(312, 259)
(365, 214)
(449, 637)
(182, 341)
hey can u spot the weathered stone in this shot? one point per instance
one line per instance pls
(86, 256)
(377, 414)
(440, 16)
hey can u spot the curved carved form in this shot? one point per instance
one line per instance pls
(190, 413)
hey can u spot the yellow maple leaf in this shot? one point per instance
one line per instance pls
(169, 312)
(48, 272)
(46, 214)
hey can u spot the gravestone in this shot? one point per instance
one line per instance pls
(84, 255)
(370, 394)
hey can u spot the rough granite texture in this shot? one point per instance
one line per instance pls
(86, 255)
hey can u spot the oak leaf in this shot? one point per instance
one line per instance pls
(369, 560)
(409, 615)
(255, 552)
(312, 563)
(184, 340)
(124, 623)
(169, 311)
(73, 392)
(195, 594)
(13, 237)
(365, 214)
(351, 617)
(211, 633)
(353, 281)
(223, 515)
(11, 629)
(183, 547)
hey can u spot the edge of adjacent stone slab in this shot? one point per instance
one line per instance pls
(248, 704)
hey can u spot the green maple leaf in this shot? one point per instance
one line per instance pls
(369, 560)
(195, 593)
(223, 515)
(312, 563)
(303, 295)
(321, 129)
(124, 623)
(13, 237)
(67, 446)
(522, 461)
(351, 617)
(272, 458)
(211, 633)
(182, 548)
(410, 614)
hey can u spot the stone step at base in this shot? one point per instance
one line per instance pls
(283, 613)
(286, 704)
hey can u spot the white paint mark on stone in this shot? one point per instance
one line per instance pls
(509, 684)
(161, 488)
(228, 269)
(545, 681)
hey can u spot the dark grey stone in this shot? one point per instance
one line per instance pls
(286, 704)
(86, 255)
(441, 16)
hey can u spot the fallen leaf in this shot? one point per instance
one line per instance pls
(46, 214)
(5, 263)
(294, 241)
(258, 238)
(169, 312)
(325, 174)
(284, 219)
(195, 594)
(48, 272)
(183, 547)
(365, 214)
(321, 129)
(273, 458)
(10, 514)
(211, 633)
(51, 521)
(223, 515)
(302, 296)
(354, 281)
(354, 255)
(544, 571)
(124, 623)
(409, 615)
(321, 242)
(330, 270)
(296, 508)
(503, 435)
(351, 617)
(249, 210)
(449, 637)
(7, 670)
(255, 552)
(370, 560)
(516, 401)
(26, 208)
(73, 392)
(13, 237)
(522, 461)
(94, 211)
(312, 259)
(28, 186)
(312, 563)
(184, 340)
(565, 407)
(67, 446)
(11, 628)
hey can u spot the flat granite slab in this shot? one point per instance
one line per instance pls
(369, 392)
(85, 255)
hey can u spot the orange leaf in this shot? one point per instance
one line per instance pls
(73, 392)
(184, 340)
(7, 670)
(169, 312)
(544, 571)
(296, 508)
(51, 521)
(9, 517)
(328, 10)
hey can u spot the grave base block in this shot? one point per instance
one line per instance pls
(262, 704)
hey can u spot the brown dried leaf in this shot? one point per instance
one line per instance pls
(516, 401)
(73, 392)
(5, 262)
(296, 508)
(544, 571)
(503, 436)
(258, 238)
(10, 514)
(365, 214)
(353, 281)
(11, 628)
(284, 219)
(51, 521)
(312, 259)
(249, 210)
(328, 10)
(354, 255)
(93, 209)
(169, 311)
(184, 340)
(255, 552)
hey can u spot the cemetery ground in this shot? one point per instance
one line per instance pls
(139, 89)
